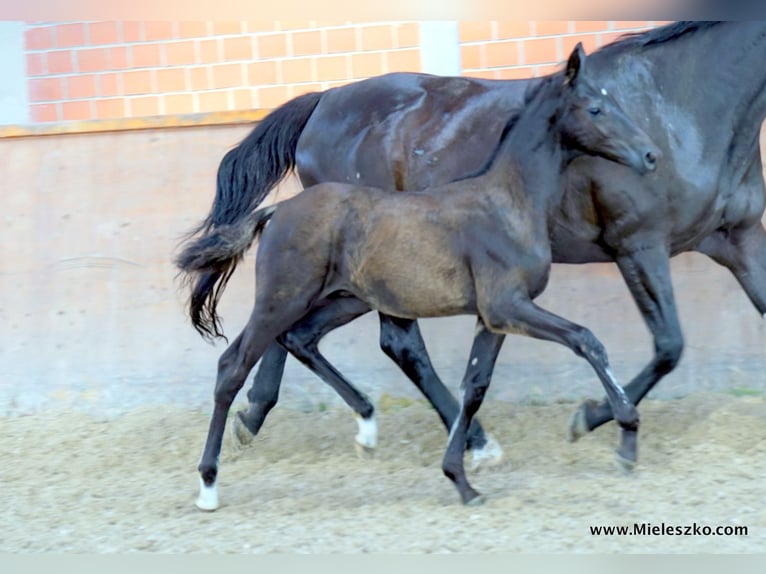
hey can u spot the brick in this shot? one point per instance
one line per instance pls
(46, 89)
(180, 53)
(155, 31)
(301, 89)
(137, 82)
(367, 65)
(341, 40)
(93, 60)
(261, 73)
(213, 101)
(110, 108)
(483, 74)
(237, 48)
(133, 31)
(404, 61)
(178, 103)
(472, 56)
(145, 56)
(104, 33)
(502, 54)
(591, 26)
(39, 38)
(81, 86)
(333, 68)
(243, 99)
(144, 106)
(171, 80)
(539, 51)
(377, 38)
(546, 70)
(298, 70)
(119, 59)
(307, 43)
(80, 110)
(520, 73)
(224, 28)
(513, 29)
(70, 35)
(272, 46)
(227, 76)
(60, 62)
(551, 27)
(272, 97)
(192, 29)
(407, 35)
(37, 64)
(199, 78)
(474, 31)
(208, 51)
(44, 113)
(589, 42)
(110, 84)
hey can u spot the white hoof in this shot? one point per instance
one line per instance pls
(208, 496)
(578, 428)
(367, 437)
(491, 454)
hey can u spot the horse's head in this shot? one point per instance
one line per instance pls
(593, 122)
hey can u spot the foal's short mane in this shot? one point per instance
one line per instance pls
(656, 35)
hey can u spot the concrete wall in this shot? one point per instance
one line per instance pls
(90, 312)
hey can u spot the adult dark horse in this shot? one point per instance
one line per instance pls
(697, 88)
(476, 246)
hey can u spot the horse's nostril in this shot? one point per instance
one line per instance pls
(650, 157)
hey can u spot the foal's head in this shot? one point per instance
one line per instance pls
(592, 122)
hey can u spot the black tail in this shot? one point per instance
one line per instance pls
(209, 263)
(246, 175)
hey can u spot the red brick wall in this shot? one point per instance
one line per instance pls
(101, 70)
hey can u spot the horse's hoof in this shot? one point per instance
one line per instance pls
(626, 464)
(208, 497)
(477, 500)
(488, 456)
(578, 424)
(364, 452)
(240, 434)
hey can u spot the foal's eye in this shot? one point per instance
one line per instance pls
(594, 111)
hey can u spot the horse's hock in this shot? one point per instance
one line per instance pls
(94, 314)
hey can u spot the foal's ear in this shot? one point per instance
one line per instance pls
(575, 64)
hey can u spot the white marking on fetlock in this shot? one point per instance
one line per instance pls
(208, 496)
(488, 455)
(368, 432)
(474, 361)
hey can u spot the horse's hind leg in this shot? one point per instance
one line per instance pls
(401, 341)
(262, 396)
(486, 346)
(302, 341)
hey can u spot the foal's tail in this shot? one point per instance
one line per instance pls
(209, 262)
(247, 174)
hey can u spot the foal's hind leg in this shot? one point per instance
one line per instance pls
(302, 340)
(401, 340)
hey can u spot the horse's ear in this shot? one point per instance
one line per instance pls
(575, 64)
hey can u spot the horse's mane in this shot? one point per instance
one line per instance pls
(657, 35)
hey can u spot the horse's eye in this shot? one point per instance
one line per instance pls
(594, 111)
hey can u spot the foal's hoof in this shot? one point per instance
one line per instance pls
(578, 424)
(491, 454)
(240, 434)
(626, 464)
(208, 497)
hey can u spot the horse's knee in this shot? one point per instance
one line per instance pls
(668, 353)
(587, 345)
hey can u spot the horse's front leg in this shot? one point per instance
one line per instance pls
(401, 341)
(647, 274)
